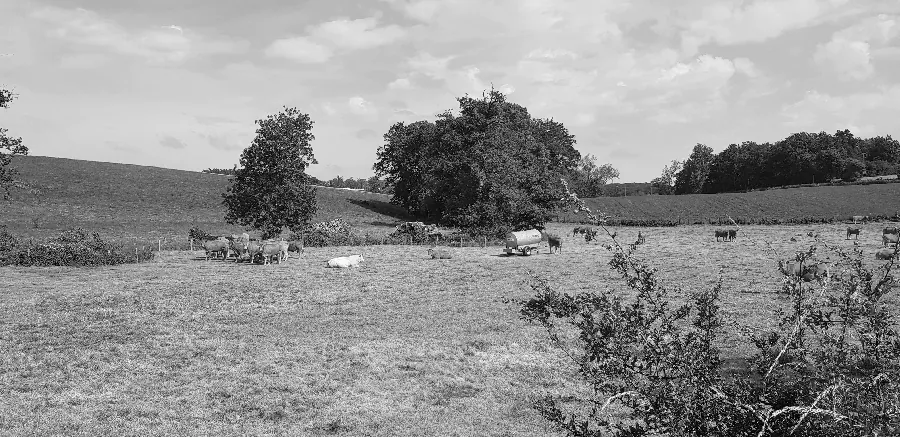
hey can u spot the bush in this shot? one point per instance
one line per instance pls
(71, 248)
(832, 368)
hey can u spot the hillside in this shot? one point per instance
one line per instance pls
(133, 201)
(781, 205)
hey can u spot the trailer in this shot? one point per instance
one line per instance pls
(523, 242)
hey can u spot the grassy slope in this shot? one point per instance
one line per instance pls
(840, 202)
(131, 201)
(404, 345)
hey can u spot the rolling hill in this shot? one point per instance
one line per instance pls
(133, 201)
(124, 201)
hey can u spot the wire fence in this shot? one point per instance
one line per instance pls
(179, 243)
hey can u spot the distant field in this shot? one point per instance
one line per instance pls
(784, 205)
(136, 202)
(404, 345)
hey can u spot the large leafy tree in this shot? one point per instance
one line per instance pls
(692, 177)
(9, 147)
(665, 183)
(271, 191)
(491, 169)
(588, 179)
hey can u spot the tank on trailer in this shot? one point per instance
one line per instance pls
(524, 242)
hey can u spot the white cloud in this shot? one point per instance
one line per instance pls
(746, 67)
(822, 109)
(360, 106)
(727, 22)
(172, 142)
(850, 51)
(299, 49)
(400, 83)
(155, 44)
(357, 34)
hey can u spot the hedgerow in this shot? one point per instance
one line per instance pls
(72, 247)
(830, 368)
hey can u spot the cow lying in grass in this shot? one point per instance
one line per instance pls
(884, 254)
(344, 262)
(810, 271)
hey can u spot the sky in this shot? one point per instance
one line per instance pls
(179, 84)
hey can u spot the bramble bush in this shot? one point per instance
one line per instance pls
(73, 247)
(831, 368)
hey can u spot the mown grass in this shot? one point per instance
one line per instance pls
(403, 345)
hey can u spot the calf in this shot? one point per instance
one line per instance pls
(552, 240)
(884, 254)
(852, 231)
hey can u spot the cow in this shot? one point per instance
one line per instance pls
(249, 248)
(440, 253)
(216, 247)
(893, 230)
(889, 239)
(295, 246)
(859, 218)
(583, 230)
(277, 249)
(721, 233)
(884, 254)
(810, 270)
(343, 262)
(552, 240)
(854, 232)
(640, 239)
(732, 234)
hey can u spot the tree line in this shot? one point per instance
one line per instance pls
(801, 158)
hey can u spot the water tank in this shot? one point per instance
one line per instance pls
(523, 238)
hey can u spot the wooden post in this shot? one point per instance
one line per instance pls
(158, 245)
(192, 244)
(484, 243)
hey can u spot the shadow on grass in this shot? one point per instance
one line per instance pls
(384, 208)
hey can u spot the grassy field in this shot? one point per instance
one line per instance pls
(403, 345)
(124, 201)
(799, 204)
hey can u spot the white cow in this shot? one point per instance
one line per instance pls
(343, 262)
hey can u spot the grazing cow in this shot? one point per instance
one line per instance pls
(277, 249)
(888, 231)
(216, 247)
(884, 254)
(852, 231)
(640, 239)
(552, 240)
(721, 233)
(249, 248)
(732, 234)
(810, 270)
(578, 230)
(343, 262)
(859, 218)
(295, 246)
(889, 239)
(590, 234)
(440, 253)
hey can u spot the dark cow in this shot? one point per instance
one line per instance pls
(852, 231)
(888, 231)
(732, 234)
(581, 230)
(889, 239)
(640, 239)
(296, 246)
(721, 233)
(552, 240)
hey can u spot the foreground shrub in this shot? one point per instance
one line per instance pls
(72, 247)
(831, 368)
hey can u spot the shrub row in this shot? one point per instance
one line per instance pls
(72, 247)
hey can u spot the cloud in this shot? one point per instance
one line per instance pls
(360, 106)
(223, 142)
(300, 49)
(172, 142)
(322, 41)
(154, 44)
(818, 109)
(849, 53)
(400, 83)
(731, 22)
(365, 134)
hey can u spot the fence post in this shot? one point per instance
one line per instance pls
(192, 244)
(158, 245)
(484, 244)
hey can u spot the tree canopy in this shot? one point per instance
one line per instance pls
(9, 147)
(491, 169)
(270, 190)
(589, 179)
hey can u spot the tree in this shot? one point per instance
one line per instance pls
(665, 183)
(588, 179)
(271, 189)
(489, 170)
(12, 147)
(692, 177)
